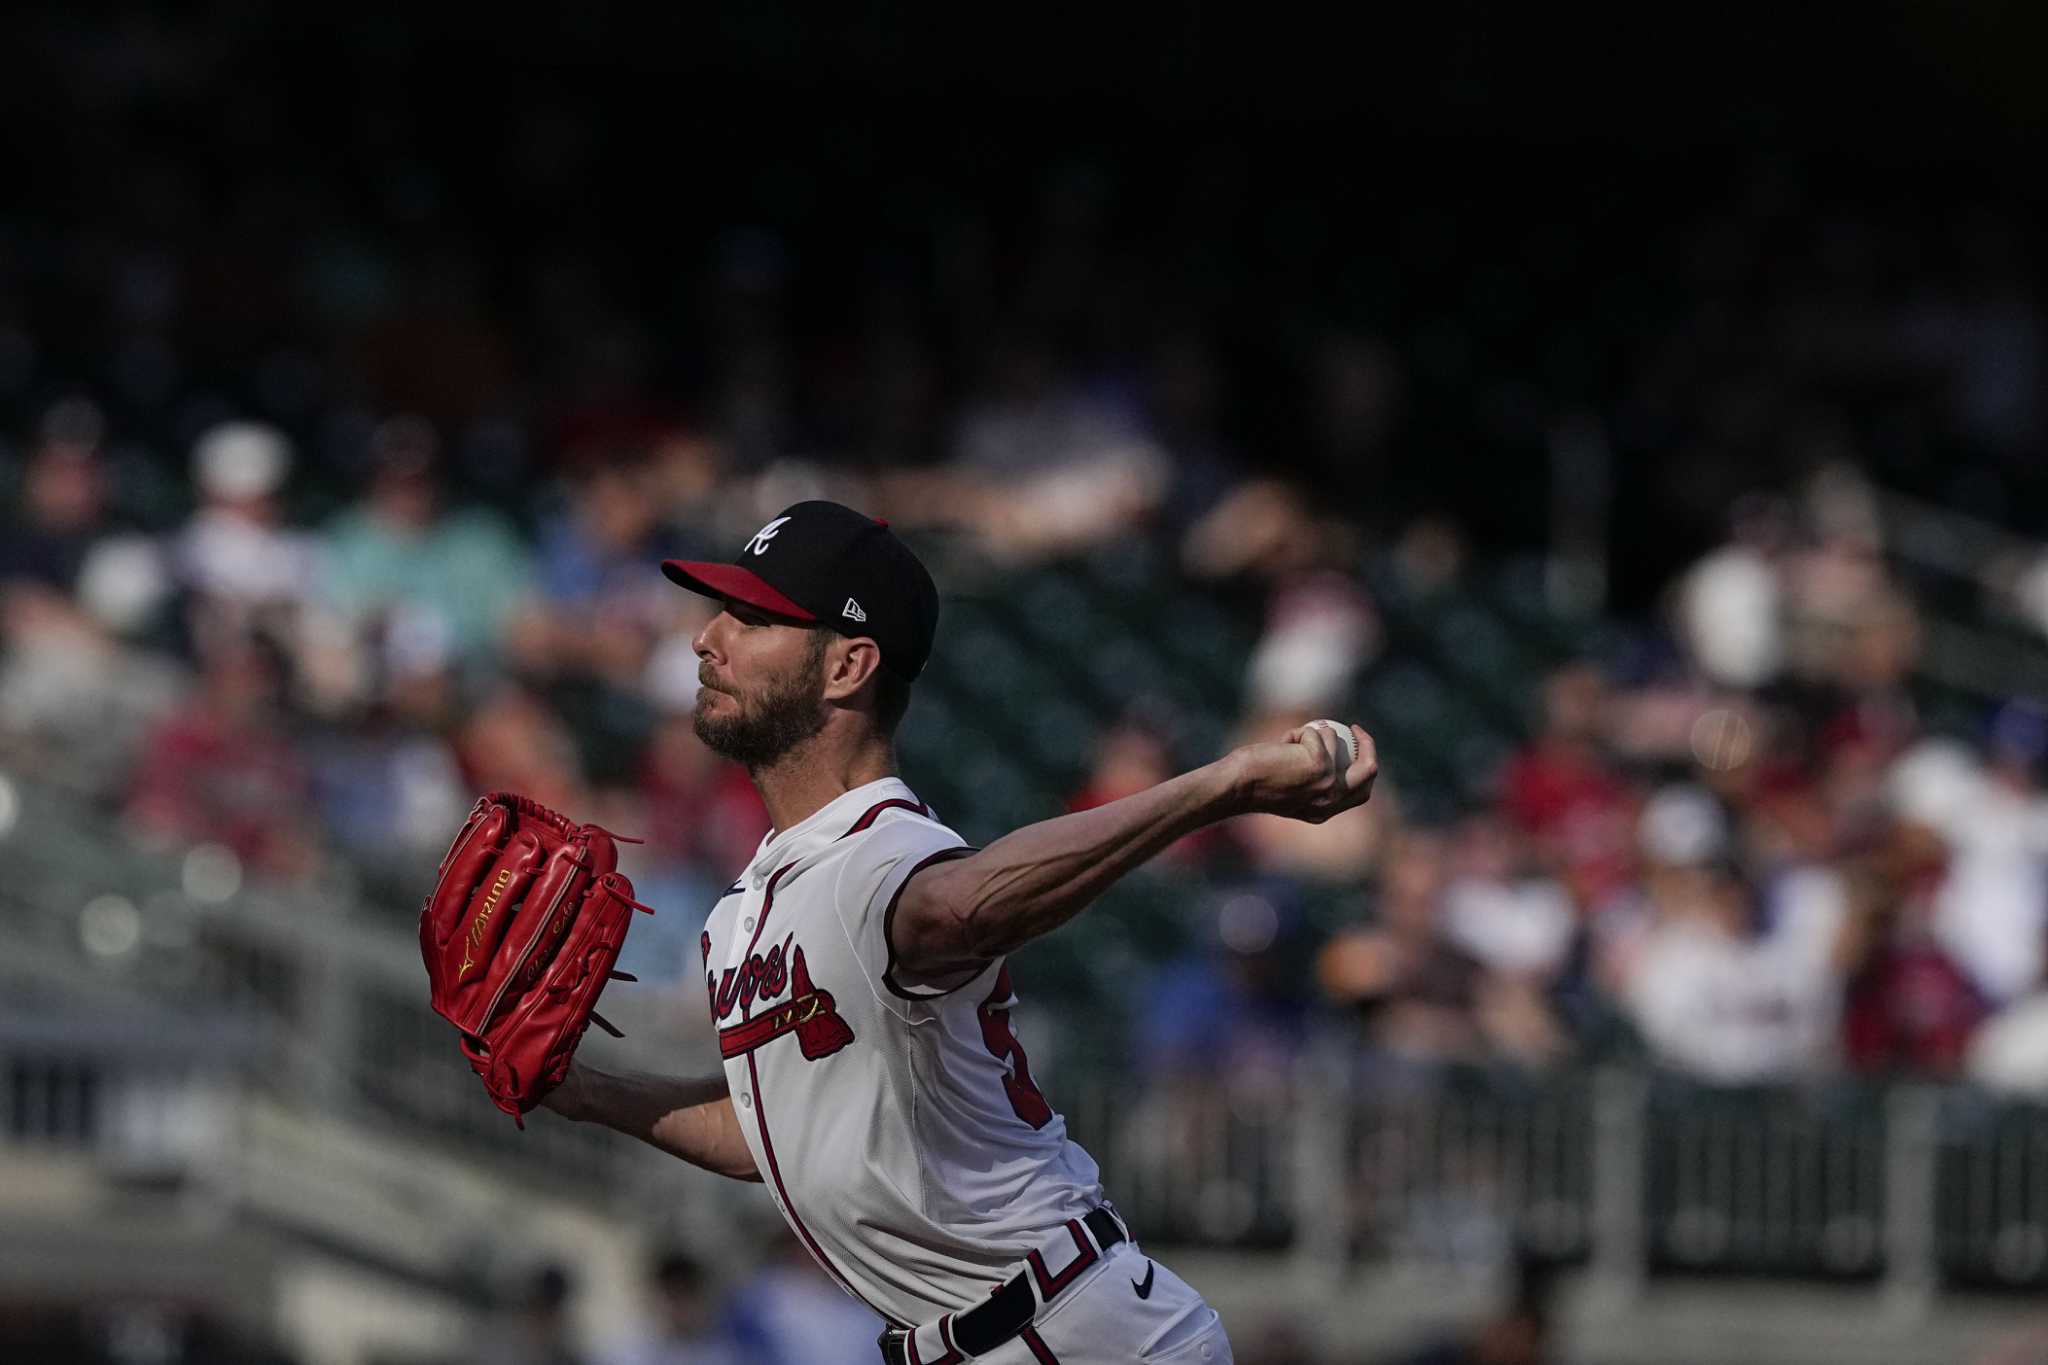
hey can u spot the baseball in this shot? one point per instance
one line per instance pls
(1343, 735)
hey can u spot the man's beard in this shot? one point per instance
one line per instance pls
(770, 724)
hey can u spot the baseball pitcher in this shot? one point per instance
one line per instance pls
(856, 975)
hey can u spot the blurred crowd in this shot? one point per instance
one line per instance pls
(1732, 838)
(1735, 843)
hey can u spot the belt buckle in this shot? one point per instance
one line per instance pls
(893, 1347)
(1119, 1231)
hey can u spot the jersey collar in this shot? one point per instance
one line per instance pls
(822, 826)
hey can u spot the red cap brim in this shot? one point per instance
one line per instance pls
(730, 580)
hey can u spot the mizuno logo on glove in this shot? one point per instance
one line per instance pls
(483, 917)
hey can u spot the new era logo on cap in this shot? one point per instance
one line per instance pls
(821, 551)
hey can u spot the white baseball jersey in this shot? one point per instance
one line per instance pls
(897, 1129)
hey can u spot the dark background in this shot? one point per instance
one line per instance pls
(1523, 204)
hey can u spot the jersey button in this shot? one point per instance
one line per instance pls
(746, 1100)
(747, 923)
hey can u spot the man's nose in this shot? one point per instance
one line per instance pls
(706, 643)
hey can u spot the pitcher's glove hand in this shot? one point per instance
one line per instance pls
(520, 934)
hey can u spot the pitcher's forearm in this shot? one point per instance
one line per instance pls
(1033, 880)
(691, 1119)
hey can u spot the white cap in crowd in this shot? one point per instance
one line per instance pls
(1683, 826)
(236, 461)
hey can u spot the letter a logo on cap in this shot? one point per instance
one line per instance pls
(759, 544)
(853, 611)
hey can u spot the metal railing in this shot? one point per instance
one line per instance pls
(1629, 1174)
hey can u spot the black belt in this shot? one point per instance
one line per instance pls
(1009, 1310)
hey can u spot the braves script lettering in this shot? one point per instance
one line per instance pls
(761, 976)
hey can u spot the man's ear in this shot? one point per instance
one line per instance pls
(849, 665)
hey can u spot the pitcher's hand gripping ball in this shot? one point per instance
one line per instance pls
(1341, 734)
(520, 935)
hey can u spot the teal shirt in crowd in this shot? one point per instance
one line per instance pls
(468, 569)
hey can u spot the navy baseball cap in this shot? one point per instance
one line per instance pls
(825, 564)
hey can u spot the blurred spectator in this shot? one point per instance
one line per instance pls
(1730, 603)
(699, 808)
(68, 577)
(789, 1313)
(1417, 989)
(1563, 793)
(1321, 630)
(1234, 1011)
(1850, 771)
(69, 586)
(1908, 1009)
(534, 1328)
(1847, 625)
(1422, 995)
(692, 484)
(597, 609)
(226, 769)
(63, 502)
(389, 784)
(1130, 757)
(1216, 1031)
(514, 742)
(1511, 917)
(401, 548)
(1992, 909)
(1876, 661)
(1043, 466)
(702, 820)
(1267, 529)
(236, 553)
(1714, 992)
(681, 1327)
(1430, 556)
